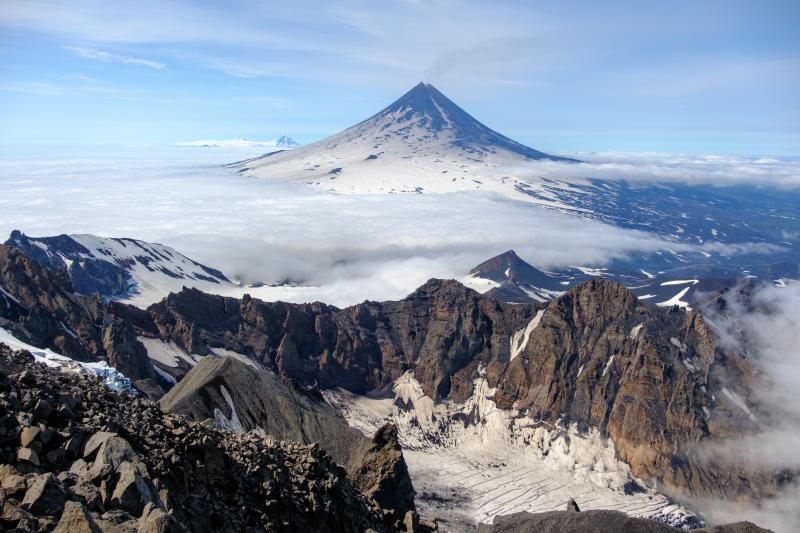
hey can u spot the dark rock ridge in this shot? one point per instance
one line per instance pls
(41, 308)
(518, 281)
(260, 401)
(78, 457)
(596, 522)
(106, 272)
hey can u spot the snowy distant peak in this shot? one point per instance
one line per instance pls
(283, 142)
(426, 107)
(420, 143)
(116, 267)
(508, 266)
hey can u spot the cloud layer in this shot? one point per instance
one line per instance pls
(767, 326)
(372, 246)
(719, 170)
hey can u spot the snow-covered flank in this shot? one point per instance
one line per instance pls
(478, 283)
(167, 353)
(155, 269)
(108, 374)
(421, 143)
(472, 462)
(283, 142)
(220, 420)
(520, 338)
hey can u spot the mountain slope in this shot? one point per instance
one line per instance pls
(77, 457)
(243, 398)
(118, 268)
(422, 142)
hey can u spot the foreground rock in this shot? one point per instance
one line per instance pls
(94, 460)
(596, 522)
(242, 397)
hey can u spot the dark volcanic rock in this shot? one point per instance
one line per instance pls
(158, 472)
(595, 522)
(245, 398)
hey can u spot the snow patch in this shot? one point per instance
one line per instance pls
(520, 338)
(112, 378)
(220, 420)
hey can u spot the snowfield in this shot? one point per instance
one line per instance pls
(500, 462)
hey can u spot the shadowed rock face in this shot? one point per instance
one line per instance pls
(244, 398)
(443, 330)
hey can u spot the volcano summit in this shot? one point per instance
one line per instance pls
(422, 142)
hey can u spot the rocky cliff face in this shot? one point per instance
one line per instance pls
(77, 457)
(42, 309)
(651, 378)
(240, 397)
(443, 331)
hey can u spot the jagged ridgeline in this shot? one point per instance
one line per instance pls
(652, 380)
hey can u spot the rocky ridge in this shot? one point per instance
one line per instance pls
(79, 457)
(241, 397)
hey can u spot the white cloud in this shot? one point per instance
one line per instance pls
(353, 247)
(721, 170)
(766, 326)
(107, 57)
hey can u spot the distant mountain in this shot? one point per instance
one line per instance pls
(117, 268)
(509, 278)
(283, 142)
(422, 142)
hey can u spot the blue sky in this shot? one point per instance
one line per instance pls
(695, 76)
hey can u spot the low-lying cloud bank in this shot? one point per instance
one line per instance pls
(718, 170)
(767, 326)
(350, 247)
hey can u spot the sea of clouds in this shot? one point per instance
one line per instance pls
(349, 247)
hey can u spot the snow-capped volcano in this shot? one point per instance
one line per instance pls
(283, 142)
(422, 142)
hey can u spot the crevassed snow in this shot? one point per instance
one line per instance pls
(472, 462)
(520, 338)
(233, 423)
(108, 374)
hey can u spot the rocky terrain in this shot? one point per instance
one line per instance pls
(653, 379)
(79, 457)
(574, 521)
(241, 397)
